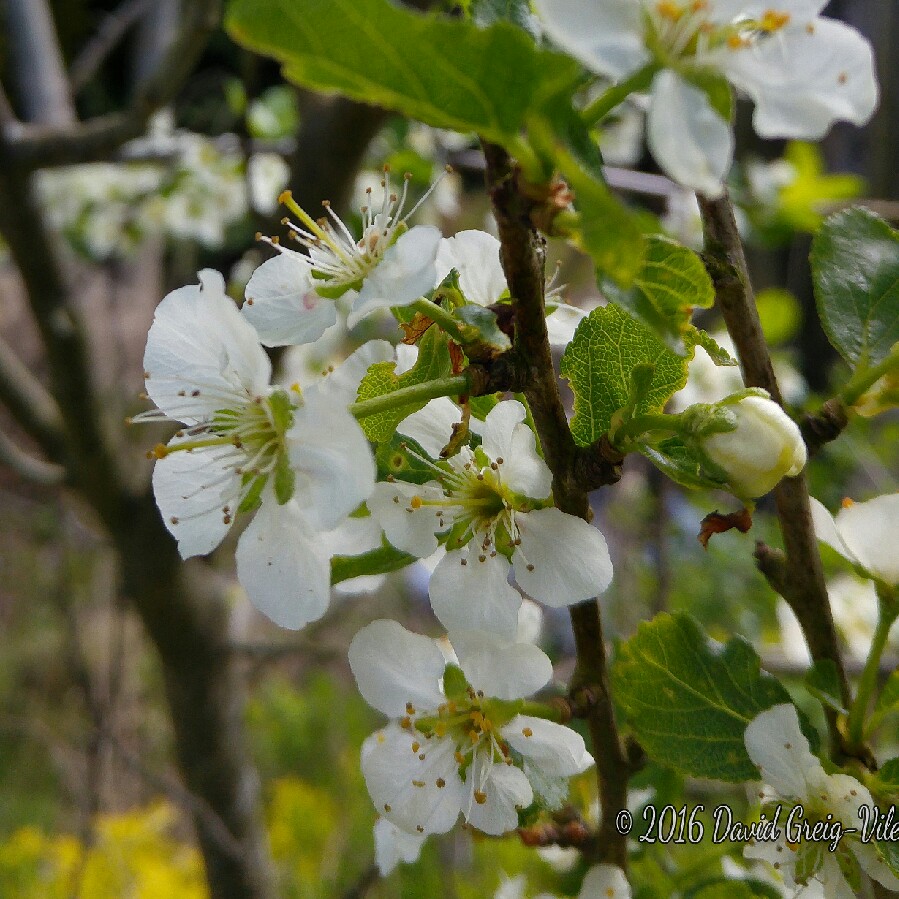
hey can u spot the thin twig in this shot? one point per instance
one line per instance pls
(28, 467)
(803, 585)
(34, 146)
(111, 30)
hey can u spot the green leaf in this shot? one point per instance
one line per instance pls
(672, 282)
(887, 701)
(447, 73)
(689, 700)
(607, 347)
(679, 462)
(694, 337)
(855, 264)
(394, 459)
(433, 362)
(608, 232)
(823, 682)
(885, 782)
(482, 323)
(376, 561)
(734, 889)
(518, 12)
(779, 314)
(716, 87)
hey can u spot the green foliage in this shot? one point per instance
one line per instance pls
(887, 701)
(780, 314)
(605, 230)
(885, 782)
(608, 346)
(450, 74)
(680, 462)
(855, 263)
(433, 362)
(689, 700)
(376, 561)
(670, 285)
(481, 326)
(823, 682)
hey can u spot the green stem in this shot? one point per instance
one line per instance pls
(416, 393)
(541, 710)
(438, 314)
(640, 424)
(862, 380)
(617, 94)
(889, 610)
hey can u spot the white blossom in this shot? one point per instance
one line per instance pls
(802, 71)
(291, 298)
(765, 446)
(475, 256)
(494, 502)
(394, 845)
(457, 742)
(865, 534)
(780, 751)
(299, 460)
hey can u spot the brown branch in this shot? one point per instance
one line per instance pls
(801, 578)
(111, 30)
(33, 147)
(824, 425)
(522, 255)
(27, 467)
(41, 82)
(33, 408)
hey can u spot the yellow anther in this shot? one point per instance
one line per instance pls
(460, 759)
(670, 9)
(473, 736)
(772, 20)
(441, 783)
(527, 732)
(285, 196)
(480, 797)
(735, 42)
(416, 746)
(160, 451)
(415, 502)
(418, 783)
(410, 709)
(847, 502)
(381, 739)
(405, 723)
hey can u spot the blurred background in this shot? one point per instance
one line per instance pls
(158, 737)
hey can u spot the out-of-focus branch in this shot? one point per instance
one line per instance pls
(34, 146)
(33, 408)
(36, 471)
(801, 577)
(522, 256)
(111, 30)
(41, 82)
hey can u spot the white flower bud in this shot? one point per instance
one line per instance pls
(765, 446)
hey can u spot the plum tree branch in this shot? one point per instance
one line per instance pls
(522, 256)
(801, 578)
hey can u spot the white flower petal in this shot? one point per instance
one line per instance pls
(506, 789)
(870, 531)
(199, 350)
(470, 591)
(342, 384)
(806, 77)
(724, 12)
(562, 322)
(570, 558)
(507, 437)
(333, 461)
(780, 751)
(826, 531)
(605, 882)
(688, 139)
(393, 667)
(556, 750)
(407, 271)
(284, 566)
(501, 669)
(394, 845)
(407, 528)
(606, 37)
(873, 865)
(432, 426)
(191, 491)
(475, 256)
(393, 770)
(282, 304)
